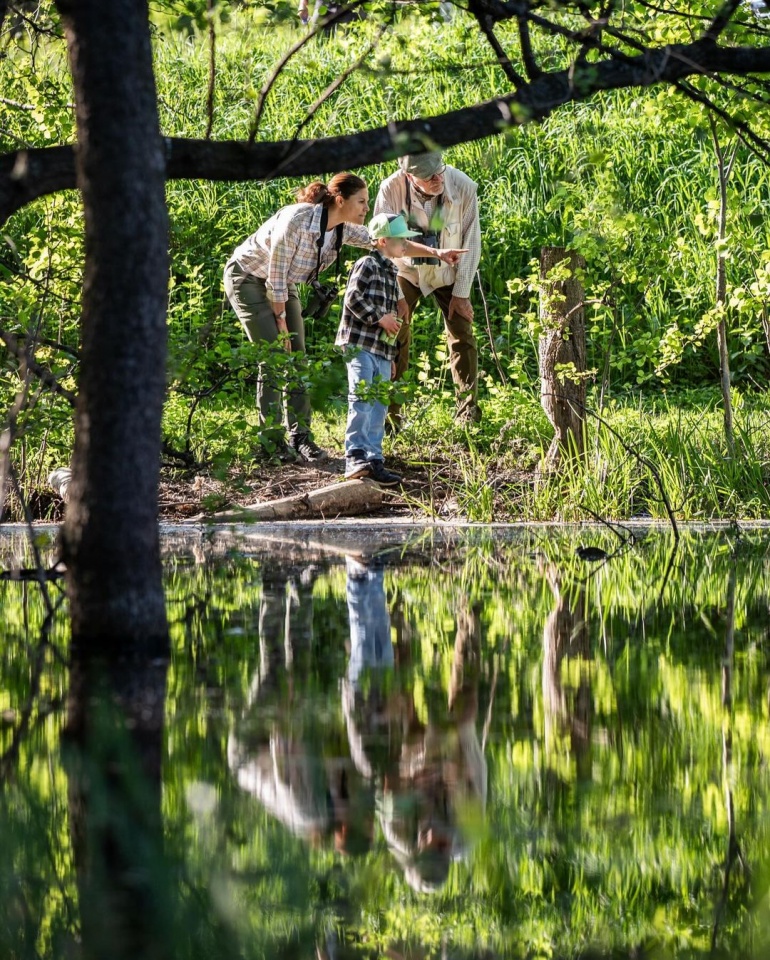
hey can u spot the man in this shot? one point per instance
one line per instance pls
(438, 199)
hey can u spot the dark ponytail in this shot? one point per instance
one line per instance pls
(341, 185)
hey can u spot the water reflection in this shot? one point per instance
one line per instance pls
(278, 751)
(475, 746)
(417, 769)
(426, 767)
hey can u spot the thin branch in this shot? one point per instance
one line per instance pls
(24, 353)
(721, 20)
(294, 49)
(485, 26)
(212, 69)
(756, 144)
(337, 83)
(640, 457)
(531, 66)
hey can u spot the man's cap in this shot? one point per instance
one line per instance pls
(422, 165)
(390, 225)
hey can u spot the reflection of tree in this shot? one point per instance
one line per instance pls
(565, 634)
(734, 851)
(114, 747)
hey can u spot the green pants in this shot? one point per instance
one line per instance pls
(248, 296)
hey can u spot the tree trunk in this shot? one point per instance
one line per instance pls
(111, 540)
(724, 168)
(563, 341)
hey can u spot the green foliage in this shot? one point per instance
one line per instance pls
(628, 179)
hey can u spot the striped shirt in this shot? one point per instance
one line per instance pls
(285, 248)
(372, 291)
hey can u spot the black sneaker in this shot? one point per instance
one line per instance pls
(275, 451)
(380, 474)
(306, 448)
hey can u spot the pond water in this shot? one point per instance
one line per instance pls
(401, 742)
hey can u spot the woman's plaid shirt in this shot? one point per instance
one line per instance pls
(285, 248)
(372, 291)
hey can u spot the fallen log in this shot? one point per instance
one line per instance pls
(346, 499)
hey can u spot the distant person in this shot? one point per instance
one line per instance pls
(367, 333)
(441, 203)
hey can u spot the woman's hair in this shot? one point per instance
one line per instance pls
(341, 185)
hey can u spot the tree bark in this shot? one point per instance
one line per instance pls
(563, 341)
(111, 543)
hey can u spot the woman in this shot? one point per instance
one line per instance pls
(261, 281)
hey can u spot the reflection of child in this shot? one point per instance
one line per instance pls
(367, 334)
(426, 764)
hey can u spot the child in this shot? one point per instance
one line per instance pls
(367, 333)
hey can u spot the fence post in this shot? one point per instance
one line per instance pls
(562, 341)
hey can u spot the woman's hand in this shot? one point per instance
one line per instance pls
(280, 322)
(451, 256)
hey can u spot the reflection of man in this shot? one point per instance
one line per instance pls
(440, 200)
(425, 772)
(278, 751)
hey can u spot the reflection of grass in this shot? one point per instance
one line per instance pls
(623, 850)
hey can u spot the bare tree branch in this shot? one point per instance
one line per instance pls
(338, 81)
(527, 53)
(212, 69)
(23, 353)
(31, 173)
(721, 20)
(294, 49)
(502, 57)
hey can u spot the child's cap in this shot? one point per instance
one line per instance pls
(390, 225)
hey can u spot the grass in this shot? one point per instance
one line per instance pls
(491, 472)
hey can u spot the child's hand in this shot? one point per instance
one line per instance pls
(392, 369)
(390, 324)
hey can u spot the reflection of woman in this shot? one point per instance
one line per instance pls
(261, 281)
(277, 750)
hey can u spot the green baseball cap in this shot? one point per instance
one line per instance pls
(390, 225)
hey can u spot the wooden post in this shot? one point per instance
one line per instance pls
(562, 341)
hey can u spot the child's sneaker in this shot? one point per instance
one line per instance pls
(380, 474)
(356, 465)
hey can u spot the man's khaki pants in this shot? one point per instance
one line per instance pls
(463, 353)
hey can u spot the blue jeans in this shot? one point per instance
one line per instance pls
(366, 419)
(370, 643)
